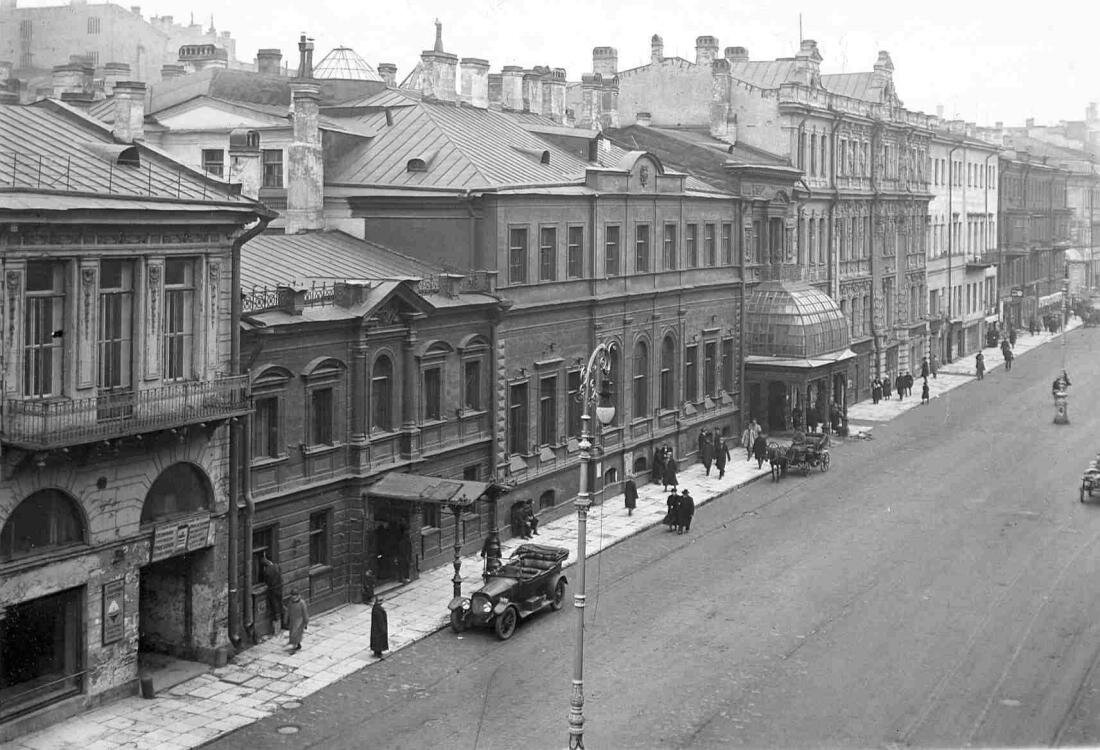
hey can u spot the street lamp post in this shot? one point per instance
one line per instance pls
(596, 374)
(457, 506)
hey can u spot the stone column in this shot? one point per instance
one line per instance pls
(410, 391)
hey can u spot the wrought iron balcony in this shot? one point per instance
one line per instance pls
(55, 423)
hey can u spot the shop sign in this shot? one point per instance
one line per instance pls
(184, 536)
(1017, 291)
(114, 611)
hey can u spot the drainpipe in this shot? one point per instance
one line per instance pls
(950, 244)
(235, 428)
(741, 339)
(834, 249)
(985, 218)
(874, 231)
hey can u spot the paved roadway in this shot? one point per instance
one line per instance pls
(936, 588)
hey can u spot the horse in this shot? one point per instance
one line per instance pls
(777, 458)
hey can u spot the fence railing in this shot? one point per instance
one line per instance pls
(45, 424)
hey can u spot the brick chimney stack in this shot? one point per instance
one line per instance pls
(722, 125)
(67, 79)
(113, 72)
(437, 76)
(475, 81)
(532, 90)
(706, 49)
(388, 71)
(736, 55)
(269, 62)
(605, 61)
(511, 88)
(129, 99)
(305, 167)
(656, 49)
(553, 95)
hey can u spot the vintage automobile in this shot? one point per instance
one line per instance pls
(530, 581)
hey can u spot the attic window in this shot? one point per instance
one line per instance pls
(417, 165)
(129, 157)
(118, 153)
(545, 158)
(542, 156)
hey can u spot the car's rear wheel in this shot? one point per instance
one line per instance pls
(458, 619)
(559, 595)
(505, 623)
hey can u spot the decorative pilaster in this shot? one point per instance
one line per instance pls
(154, 318)
(87, 324)
(13, 328)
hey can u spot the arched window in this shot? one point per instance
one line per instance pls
(381, 394)
(641, 380)
(668, 370)
(180, 489)
(45, 520)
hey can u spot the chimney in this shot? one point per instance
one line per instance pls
(269, 62)
(129, 124)
(644, 119)
(9, 97)
(244, 161)
(532, 91)
(720, 85)
(113, 72)
(1029, 122)
(136, 10)
(736, 55)
(77, 99)
(608, 104)
(570, 119)
(807, 65)
(388, 71)
(1091, 115)
(172, 70)
(67, 78)
(305, 164)
(495, 90)
(511, 92)
(590, 101)
(706, 49)
(553, 95)
(605, 61)
(999, 125)
(656, 49)
(291, 301)
(475, 81)
(437, 77)
(305, 58)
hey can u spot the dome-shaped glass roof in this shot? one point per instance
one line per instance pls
(345, 64)
(795, 320)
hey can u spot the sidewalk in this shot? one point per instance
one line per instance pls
(263, 679)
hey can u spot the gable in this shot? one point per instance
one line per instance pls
(210, 115)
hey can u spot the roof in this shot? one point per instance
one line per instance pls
(765, 74)
(245, 86)
(853, 85)
(1037, 147)
(344, 63)
(51, 149)
(793, 320)
(417, 488)
(273, 259)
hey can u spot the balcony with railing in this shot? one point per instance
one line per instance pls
(55, 423)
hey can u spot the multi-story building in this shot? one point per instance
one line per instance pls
(858, 231)
(961, 240)
(118, 383)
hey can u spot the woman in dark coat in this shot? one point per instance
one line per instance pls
(379, 629)
(684, 512)
(706, 450)
(657, 472)
(760, 449)
(876, 390)
(721, 455)
(630, 496)
(673, 512)
(886, 387)
(669, 475)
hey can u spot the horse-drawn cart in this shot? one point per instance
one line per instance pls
(806, 451)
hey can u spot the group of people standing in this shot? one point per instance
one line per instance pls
(681, 507)
(713, 449)
(663, 471)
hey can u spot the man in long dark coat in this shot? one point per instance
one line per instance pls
(721, 454)
(273, 579)
(706, 450)
(760, 449)
(876, 390)
(924, 368)
(669, 476)
(685, 511)
(672, 514)
(297, 618)
(630, 496)
(657, 472)
(379, 629)
(899, 386)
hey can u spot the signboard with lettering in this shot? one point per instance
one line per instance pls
(1017, 291)
(181, 537)
(114, 611)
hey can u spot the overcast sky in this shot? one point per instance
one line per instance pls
(983, 61)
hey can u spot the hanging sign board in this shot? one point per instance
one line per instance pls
(113, 611)
(180, 537)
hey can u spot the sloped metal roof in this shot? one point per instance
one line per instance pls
(765, 74)
(853, 85)
(345, 64)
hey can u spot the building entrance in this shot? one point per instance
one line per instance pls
(386, 552)
(164, 608)
(40, 652)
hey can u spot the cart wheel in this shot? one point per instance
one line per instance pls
(458, 620)
(505, 623)
(559, 596)
(825, 462)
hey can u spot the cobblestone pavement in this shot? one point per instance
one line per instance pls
(262, 679)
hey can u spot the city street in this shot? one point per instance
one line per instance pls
(935, 588)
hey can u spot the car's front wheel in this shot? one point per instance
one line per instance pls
(505, 624)
(458, 619)
(559, 595)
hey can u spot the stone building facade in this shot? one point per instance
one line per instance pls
(118, 387)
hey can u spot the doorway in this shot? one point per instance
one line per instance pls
(391, 523)
(164, 608)
(777, 406)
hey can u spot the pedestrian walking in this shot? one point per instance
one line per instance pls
(672, 512)
(685, 511)
(934, 365)
(924, 396)
(630, 495)
(1012, 336)
(760, 449)
(899, 386)
(925, 369)
(979, 365)
(657, 472)
(876, 390)
(706, 450)
(273, 579)
(908, 383)
(379, 629)
(886, 392)
(669, 478)
(721, 455)
(368, 582)
(746, 442)
(297, 618)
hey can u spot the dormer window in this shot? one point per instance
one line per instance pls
(417, 165)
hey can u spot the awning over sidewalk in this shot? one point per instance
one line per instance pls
(1050, 299)
(421, 489)
(820, 360)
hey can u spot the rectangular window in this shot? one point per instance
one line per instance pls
(691, 245)
(670, 247)
(431, 516)
(548, 253)
(727, 243)
(179, 314)
(213, 161)
(727, 365)
(41, 650)
(318, 537)
(472, 385)
(433, 394)
(116, 292)
(273, 167)
(575, 261)
(517, 419)
(710, 249)
(265, 428)
(573, 403)
(548, 410)
(691, 386)
(641, 248)
(611, 250)
(263, 545)
(93, 25)
(43, 329)
(710, 368)
(517, 255)
(320, 416)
